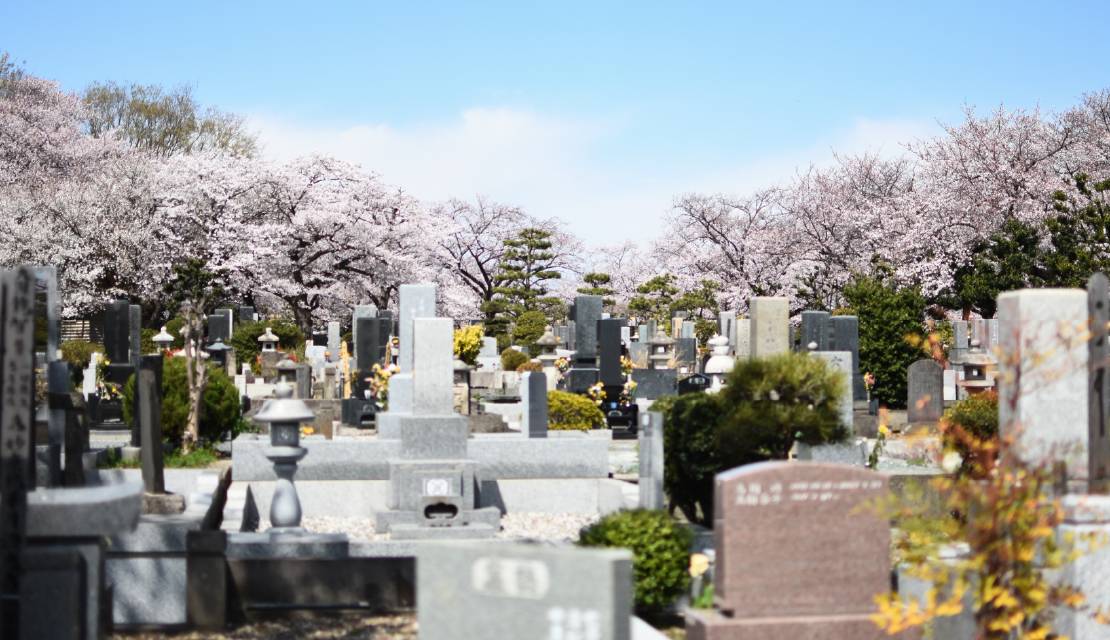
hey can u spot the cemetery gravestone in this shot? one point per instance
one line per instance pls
(533, 397)
(960, 342)
(16, 440)
(842, 361)
(524, 592)
(333, 341)
(686, 355)
(651, 460)
(798, 555)
(770, 327)
(584, 373)
(1043, 378)
(925, 391)
(726, 326)
(1098, 381)
(814, 330)
(742, 338)
(609, 348)
(845, 337)
(361, 311)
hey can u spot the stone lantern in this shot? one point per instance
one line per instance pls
(286, 371)
(978, 366)
(720, 364)
(163, 340)
(285, 415)
(547, 357)
(268, 340)
(662, 350)
(218, 350)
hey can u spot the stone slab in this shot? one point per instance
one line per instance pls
(480, 591)
(770, 326)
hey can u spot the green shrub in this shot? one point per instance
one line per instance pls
(888, 315)
(692, 459)
(975, 416)
(529, 327)
(530, 366)
(769, 403)
(660, 549)
(198, 459)
(173, 327)
(77, 353)
(572, 412)
(245, 339)
(511, 359)
(219, 414)
(468, 343)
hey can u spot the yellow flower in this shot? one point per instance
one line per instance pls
(699, 564)
(884, 431)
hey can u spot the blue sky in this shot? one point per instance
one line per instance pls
(598, 113)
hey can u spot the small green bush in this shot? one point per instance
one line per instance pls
(572, 412)
(220, 412)
(245, 339)
(692, 458)
(975, 416)
(511, 359)
(887, 316)
(660, 549)
(77, 354)
(529, 327)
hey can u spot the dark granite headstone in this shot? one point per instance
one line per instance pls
(609, 351)
(1098, 380)
(150, 417)
(587, 310)
(373, 336)
(924, 391)
(217, 328)
(814, 329)
(76, 439)
(17, 466)
(694, 383)
(117, 332)
(652, 384)
(844, 336)
(796, 538)
(246, 314)
(686, 354)
(304, 381)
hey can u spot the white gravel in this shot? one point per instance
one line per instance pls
(552, 527)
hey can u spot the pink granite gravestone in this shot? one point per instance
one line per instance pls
(799, 554)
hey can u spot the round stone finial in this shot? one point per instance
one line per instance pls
(812, 346)
(975, 344)
(283, 390)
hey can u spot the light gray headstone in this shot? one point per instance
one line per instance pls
(333, 341)
(533, 397)
(416, 301)
(626, 335)
(1098, 381)
(433, 366)
(770, 326)
(499, 591)
(842, 361)
(1042, 378)
(726, 321)
(949, 385)
(924, 391)
(742, 339)
(961, 341)
(651, 460)
(688, 327)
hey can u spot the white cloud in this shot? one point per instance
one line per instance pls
(549, 165)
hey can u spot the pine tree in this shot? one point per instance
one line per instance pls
(598, 285)
(522, 281)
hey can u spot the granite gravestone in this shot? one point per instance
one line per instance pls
(1042, 381)
(726, 326)
(845, 337)
(333, 341)
(218, 329)
(150, 417)
(533, 398)
(814, 330)
(361, 311)
(798, 554)
(117, 331)
(17, 475)
(609, 352)
(686, 355)
(742, 339)
(841, 361)
(770, 327)
(1098, 383)
(924, 391)
(523, 592)
(584, 373)
(651, 460)
(960, 342)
